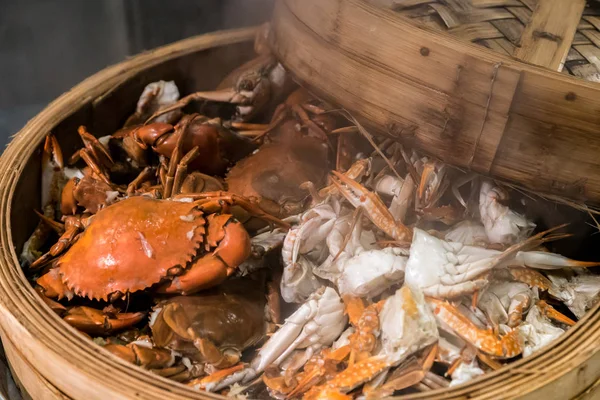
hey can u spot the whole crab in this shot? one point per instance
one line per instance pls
(139, 242)
(213, 327)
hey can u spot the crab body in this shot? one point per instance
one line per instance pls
(274, 173)
(213, 327)
(139, 242)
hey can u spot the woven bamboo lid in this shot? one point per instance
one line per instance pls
(499, 25)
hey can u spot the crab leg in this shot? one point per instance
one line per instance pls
(52, 151)
(182, 169)
(211, 202)
(147, 174)
(377, 212)
(317, 368)
(142, 356)
(545, 260)
(63, 243)
(364, 339)
(224, 96)
(432, 184)
(93, 321)
(95, 148)
(359, 169)
(181, 130)
(409, 374)
(484, 339)
(56, 226)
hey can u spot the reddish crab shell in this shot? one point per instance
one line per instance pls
(138, 233)
(274, 174)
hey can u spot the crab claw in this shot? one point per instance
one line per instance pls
(52, 151)
(377, 212)
(508, 346)
(430, 186)
(96, 322)
(213, 268)
(96, 148)
(317, 323)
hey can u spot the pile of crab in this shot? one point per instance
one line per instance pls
(277, 249)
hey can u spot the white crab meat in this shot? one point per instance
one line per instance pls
(401, 192)
(303, 248)
(579, 293)
(465, 372)
(502, 225)
(340, 250)
(317, 323)
(344, 338)
(407, 324)
(157, 95)
(468, 232)
(537, 332)
(298, 281)
(450, 346)
(446, 269)
(371, 272)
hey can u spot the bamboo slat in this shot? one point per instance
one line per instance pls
(467, 105)
(549, 33)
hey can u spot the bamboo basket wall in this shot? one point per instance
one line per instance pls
(465, 104)
(53, 361)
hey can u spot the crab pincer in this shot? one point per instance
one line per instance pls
(375, 209)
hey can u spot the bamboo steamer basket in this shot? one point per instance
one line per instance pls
(51, 360)
(414, 74)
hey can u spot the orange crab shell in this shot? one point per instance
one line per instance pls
(131, 245)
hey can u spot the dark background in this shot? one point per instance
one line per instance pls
(48, 46)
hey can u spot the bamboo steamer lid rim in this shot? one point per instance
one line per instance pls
(32, 327)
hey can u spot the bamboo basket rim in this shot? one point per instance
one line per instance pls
(45, 331)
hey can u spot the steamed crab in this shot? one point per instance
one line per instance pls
(275, 173)
(213, 328)
(183, 245)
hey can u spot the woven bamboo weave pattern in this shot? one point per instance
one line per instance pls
(499, 24)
